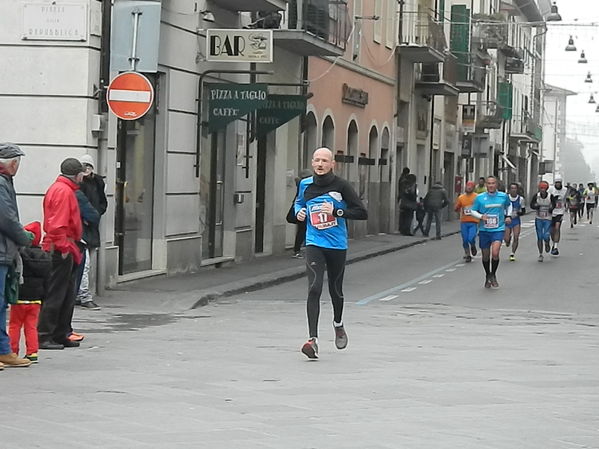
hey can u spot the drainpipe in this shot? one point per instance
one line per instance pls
(103, 80)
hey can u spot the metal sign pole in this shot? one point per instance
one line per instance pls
(133, 58)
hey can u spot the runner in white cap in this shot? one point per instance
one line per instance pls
(558, 193)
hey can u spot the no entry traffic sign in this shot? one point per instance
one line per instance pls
(130, 95)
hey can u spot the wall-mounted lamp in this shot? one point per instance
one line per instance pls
(208, 16)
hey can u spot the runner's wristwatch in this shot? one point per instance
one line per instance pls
(339, 212)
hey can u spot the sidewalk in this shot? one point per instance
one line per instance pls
(189, 291)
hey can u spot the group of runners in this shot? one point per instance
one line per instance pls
(325, 201)
(495, 216)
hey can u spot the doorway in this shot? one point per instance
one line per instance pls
(135, 193)
(212, 174)
(260, 194)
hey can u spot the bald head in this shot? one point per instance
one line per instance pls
(322, 161)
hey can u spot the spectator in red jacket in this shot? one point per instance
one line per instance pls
(63, 228)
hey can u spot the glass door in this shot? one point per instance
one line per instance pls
(212, 175)
(135, 193)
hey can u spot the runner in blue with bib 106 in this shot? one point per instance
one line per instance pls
(493, 208)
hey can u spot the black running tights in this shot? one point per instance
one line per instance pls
(317, 259)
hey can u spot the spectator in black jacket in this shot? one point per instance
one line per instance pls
(93, 188)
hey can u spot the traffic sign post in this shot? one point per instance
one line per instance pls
(130, 95)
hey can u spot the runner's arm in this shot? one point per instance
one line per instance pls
(533, 202)
(355, 209)
(474, 211)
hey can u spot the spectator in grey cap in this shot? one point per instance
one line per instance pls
(12, 236)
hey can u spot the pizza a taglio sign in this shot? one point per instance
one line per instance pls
(279, 110)
(230, 102)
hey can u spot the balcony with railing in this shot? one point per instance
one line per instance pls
(534, 129)
(490, 115)
(471, 73)
(422, 39)
(490, 30)
(438, 78)
(314, 28)
(251, 5)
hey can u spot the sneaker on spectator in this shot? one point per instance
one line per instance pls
(90, 305)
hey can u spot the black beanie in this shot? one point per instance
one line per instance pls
(71, 167)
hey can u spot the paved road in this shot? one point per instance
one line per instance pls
(434, 361)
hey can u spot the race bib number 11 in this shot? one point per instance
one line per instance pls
(321, 220)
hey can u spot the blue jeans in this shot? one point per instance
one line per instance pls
(4, 341)
(469, 231)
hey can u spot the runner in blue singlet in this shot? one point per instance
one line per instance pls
(513, 229)
(494, 209)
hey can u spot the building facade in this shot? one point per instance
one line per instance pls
(451, 89)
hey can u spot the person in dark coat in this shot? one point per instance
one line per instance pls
(434, 201)
(12, 236)
(408, 202)
(93, 188)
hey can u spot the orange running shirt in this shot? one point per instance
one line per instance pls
(463, 205)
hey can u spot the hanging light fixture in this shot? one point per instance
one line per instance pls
(583, 58)
(554, 16)
(571, 46)
(592, 99)
(588, 79)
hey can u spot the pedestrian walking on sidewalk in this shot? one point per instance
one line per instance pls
(63, 228)
(12, 236)
(325, 201)
(434, 202)
(468, 223)
(493, 209)
(408, 201)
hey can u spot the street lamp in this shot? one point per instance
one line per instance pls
(554, 16)
(588, 79)
(571, 46)
(583, 58)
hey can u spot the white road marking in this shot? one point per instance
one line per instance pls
(459, 265)
(406, 286)
(450, 269)
(388, 298)
(427, 281)
(438, 275)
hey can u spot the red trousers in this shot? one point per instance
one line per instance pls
(24, 316)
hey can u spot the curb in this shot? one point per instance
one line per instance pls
(291, 274)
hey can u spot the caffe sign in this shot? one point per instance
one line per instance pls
(54, 21)
(229, 102)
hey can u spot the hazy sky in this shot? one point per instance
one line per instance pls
(563, 70)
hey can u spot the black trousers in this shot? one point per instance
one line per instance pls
(300, 236)
(317, 260)
(405, 221)
(57, 308)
